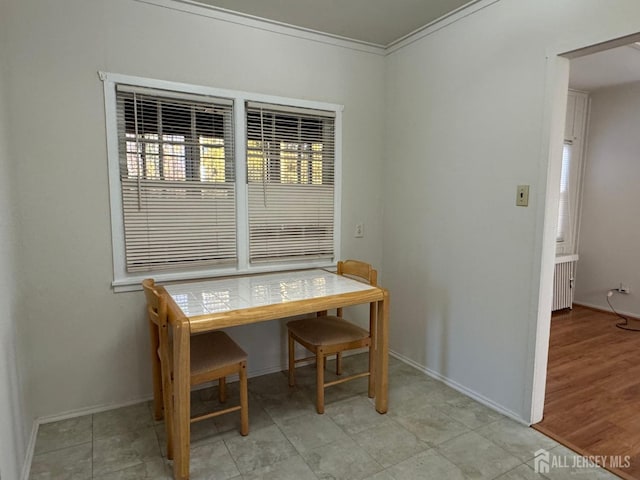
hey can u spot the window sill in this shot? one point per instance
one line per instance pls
(134, 283)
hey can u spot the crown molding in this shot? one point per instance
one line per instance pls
(438, 24)
(259, 23)
(205, 10)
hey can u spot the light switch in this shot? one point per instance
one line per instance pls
(522, 198)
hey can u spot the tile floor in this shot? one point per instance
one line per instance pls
(431, 431)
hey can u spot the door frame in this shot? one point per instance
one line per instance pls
(556, 90)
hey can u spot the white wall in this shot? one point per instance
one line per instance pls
(465, 110)
(467, 121)
(15, 423)
(89, 345)
(610, 225)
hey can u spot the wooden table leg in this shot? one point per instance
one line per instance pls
(181, 399)
(382, 354)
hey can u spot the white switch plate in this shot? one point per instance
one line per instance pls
(522, 196)
(359, 232)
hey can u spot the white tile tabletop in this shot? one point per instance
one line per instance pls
(226, 294)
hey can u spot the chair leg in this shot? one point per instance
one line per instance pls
(320, 359)
(167, 393)
(372, 349)
(156, 372)
(292, 361)
(339, 363)
(372, 371)
(244, 401)
(222, 389)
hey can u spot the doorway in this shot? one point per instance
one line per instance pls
(576, 335)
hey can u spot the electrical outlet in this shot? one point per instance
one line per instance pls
(359, 232)
(624, 288)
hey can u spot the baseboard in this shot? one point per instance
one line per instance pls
(112, 406)
(256, 373)
(80, 412)
(462, 389)
(600, 308)
(31, 446)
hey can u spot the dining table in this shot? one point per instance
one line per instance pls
(199, 306)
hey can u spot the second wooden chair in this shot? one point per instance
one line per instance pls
(326, 335)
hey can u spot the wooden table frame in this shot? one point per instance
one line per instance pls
(183, 327)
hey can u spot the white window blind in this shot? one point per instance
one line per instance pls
(290, 173)
(564, 213)
(177, 178)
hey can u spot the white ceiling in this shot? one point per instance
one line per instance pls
(605, 69)
(374, 21)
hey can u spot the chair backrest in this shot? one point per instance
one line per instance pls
(358, 270)
(158, 322)
(156, 305)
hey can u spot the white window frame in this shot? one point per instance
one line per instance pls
(125, 281)
(575, 136)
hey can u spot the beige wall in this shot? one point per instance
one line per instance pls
(15, 420)
(88, 345)
(467, 121)
(610, 224)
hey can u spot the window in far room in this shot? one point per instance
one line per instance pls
(564, 213)
(572, 151)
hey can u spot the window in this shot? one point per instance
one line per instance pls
(564, 212)
(177, 180)
(570, 174)
(208, 182)
(290, 158)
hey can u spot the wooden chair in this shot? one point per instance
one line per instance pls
(214, 356)
(325, 335)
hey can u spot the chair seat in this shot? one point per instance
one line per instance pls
(211, 351)
(328, 330)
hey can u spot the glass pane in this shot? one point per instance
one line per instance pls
(564, 212)
(173, 157)
(212, 159)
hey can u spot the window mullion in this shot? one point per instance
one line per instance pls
(242, 205)
(275, 163)
(299, 153)
(192, 151)
(160, 142)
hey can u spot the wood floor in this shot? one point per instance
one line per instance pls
(592, 402)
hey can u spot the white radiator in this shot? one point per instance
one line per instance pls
(563, 282)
